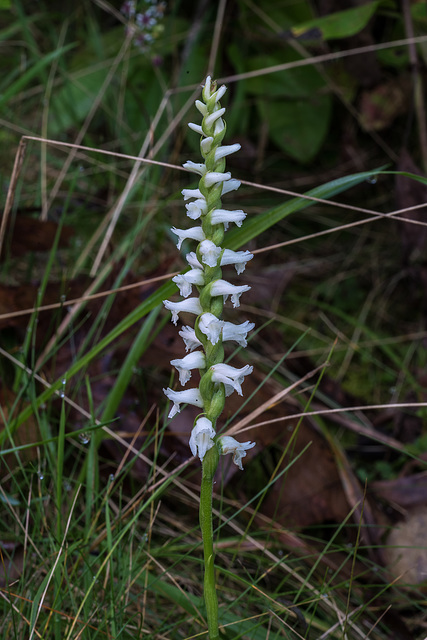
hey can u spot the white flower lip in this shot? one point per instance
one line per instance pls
(196, 209)
(222, 215)
(213, 177)
(230, 377)
(238, 449)
(190, 339)
(191, 305)
(195, 360)
(188, 396)
(194, 233)
(184, 281)
(224, 288)
(237, 332)
(211, 326)
(201, 439)
(209, 252)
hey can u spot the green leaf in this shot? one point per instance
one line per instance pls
(299, 127)
(252, 228)
(341, 24)
(301, 82)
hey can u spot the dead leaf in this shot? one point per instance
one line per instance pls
(379, 107)
(406, 550)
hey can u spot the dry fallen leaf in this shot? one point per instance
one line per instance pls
(406, 551)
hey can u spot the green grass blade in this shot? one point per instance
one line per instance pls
(260, 223)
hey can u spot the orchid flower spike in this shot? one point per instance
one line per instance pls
(203, 289)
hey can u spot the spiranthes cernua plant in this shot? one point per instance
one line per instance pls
(204, 341)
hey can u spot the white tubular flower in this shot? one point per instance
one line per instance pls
(200, 106)
(213, 177)
(201, 439)
(219, 126)
(219, 92)
(206, 91)
(195, 233)
(209, 252)
(211, 327)
(197, 128)
(224, 288)
(192, 260)
(230, 377)
(184, 365)
(237, 332)
(230, 185)
(238, 449)
(188, 396)
(206, 145)
(190, 339)
(185, 281)
(192, 193)
(195, 167)
(191, 305)
(221, 152)
(222, 215)
(238, 258)
(213, 117)
(196, 209)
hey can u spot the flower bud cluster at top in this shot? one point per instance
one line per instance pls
(144, 21)
(205, 342)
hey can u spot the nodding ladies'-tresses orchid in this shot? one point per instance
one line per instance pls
(210, 331)
(205, 341)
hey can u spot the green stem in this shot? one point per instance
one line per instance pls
(210, 464)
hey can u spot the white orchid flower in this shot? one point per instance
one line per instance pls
(201, 439)
(190, 339)
(191, 305)
(224, 216)
(193, 261)
(195, 167)
(209, 252)
(238, 258)
(185, 281)
(195, 360)
(196, 209)
(224, 288)
(225, 150)
(230, 377)
(194, 233)
(191, 193)
(228, 444)
(188, 396)
(211, 326)
(237, 332)
(214, 177)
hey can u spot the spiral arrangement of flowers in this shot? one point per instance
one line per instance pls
(205, 341)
